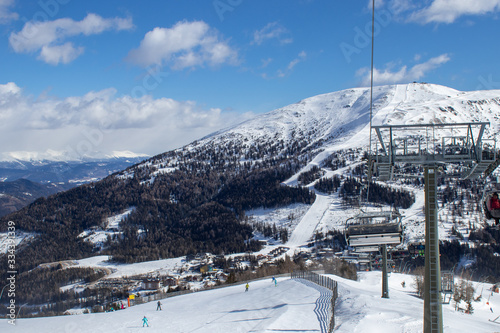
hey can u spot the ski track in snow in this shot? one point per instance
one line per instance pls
(305, 229)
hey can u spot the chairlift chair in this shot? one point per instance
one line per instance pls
(488, 192)
(369, 229)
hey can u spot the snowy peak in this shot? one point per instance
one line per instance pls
(314, 128)
(428, 103)
(63, 156)
(342, 118)
(317, 117)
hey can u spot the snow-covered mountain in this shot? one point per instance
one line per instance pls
(214, 194)
(49, 174)
(64, 156)
(341, 119)
(340, 122)
(60, 171)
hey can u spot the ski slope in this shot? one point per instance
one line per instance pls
(305, 229)
(291, 306)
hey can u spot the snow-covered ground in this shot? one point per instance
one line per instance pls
(158, 267)
(111, 228)
(291, 306)
(361, 308)
(19, 237)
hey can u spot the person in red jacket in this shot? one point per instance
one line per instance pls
(495, 207)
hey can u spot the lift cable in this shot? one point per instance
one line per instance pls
(370, 162)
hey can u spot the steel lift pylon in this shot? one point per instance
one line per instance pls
(426, 145)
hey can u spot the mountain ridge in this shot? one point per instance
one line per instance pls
(341, 120)
(64, 156)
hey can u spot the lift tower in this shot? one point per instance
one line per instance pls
(433, 146)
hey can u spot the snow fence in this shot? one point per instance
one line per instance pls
(325, 306)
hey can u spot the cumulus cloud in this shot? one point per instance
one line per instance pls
(101, 121)
(49, 37)
(272, 30)
(56, 54)
(403, 75)
(185, 45)
(6, 15)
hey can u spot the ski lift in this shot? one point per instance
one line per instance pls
(369, 229)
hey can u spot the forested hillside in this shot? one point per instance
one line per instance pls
(197, 205)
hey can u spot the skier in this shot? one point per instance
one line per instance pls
(145, 321)
(275, 281)
(158, 306)
(246, 287)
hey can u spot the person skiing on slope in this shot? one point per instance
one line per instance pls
(246, 287)
(145, 321)
(158, 306)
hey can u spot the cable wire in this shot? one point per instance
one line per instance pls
(370, 162)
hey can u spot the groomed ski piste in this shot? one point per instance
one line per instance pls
(293, 305)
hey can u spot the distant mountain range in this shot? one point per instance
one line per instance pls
(22, 182)
(193, 199)
(65, 172)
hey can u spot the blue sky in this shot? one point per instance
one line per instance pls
(92, 77)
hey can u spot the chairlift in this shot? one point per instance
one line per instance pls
(375, 228)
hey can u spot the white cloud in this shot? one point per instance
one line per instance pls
(301, 57)
(5, 14)
(403, 75)
(65, 53)
(283, 72)
(378, 4)
(289, 68)
(440, 11)
(101, 121)
(49, 37)
(402, 6)
(273, 30)
(185, 45)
